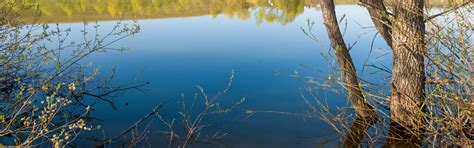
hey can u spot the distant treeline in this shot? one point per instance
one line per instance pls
(282, 11)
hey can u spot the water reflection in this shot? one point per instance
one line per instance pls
(281, 11)
(177, 54)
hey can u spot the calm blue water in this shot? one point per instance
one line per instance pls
(177, 54)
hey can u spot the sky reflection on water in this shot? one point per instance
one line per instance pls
(176, 54)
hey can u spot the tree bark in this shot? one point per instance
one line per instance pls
(408, 74)
(380, 17)
(351, 81)
(366, 115)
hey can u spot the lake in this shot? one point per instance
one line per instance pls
(186, 43)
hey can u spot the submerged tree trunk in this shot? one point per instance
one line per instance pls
(408, 74)
(366, 115)
(357, 131)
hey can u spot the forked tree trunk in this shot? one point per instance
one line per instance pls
(366, 115)
(408, 73)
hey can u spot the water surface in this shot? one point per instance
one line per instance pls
(188, 43)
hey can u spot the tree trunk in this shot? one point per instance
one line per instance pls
(351, 81)
(366, 116)
(408, 74)
(380, 17)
